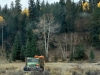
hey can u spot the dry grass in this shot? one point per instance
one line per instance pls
(52, 69)
(72, 68)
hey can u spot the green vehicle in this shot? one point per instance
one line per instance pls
(34, 64)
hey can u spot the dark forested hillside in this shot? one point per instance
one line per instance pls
(38, 29)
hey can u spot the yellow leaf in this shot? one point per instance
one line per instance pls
(25, 11)
(98, 5)
(1, 19)
(85, 6)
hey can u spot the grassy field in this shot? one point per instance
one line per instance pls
(52, 68)
(69, 68)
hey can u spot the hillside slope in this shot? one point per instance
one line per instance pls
(60, 45)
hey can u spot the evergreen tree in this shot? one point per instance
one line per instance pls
(5, 10)
(31, 44)
(33, 14)
(38, 13)
(7, 50)
(8, 28)
(95, 28)
(28, 49)
(69, 27)
(16, 47)
(12, 5)
(17, 7)
(92, 55)
(29, 37)
(34, 46)
(23, 24)
(67, 15)
(48, 8)
(79, 53)
(71, 56)
(22, 53)
(55, 11)
(32, 10)
(7, 54)
(79, 7)
(16, 25)
(0, 9)
(12, 8)
(62, 15)
(42, 7)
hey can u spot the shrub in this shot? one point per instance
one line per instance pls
(90, 72)
(56, 71)
(79, 53)
(55, 58)
(92, 56)
(16, 73)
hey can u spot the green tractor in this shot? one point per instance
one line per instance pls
(34, 63)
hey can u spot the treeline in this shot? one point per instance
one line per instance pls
(20, 37)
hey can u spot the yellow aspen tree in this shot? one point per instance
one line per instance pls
(25, 11)
(98, 5)
(1, 19)
(85, 6)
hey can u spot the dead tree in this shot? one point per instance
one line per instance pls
(45, 24)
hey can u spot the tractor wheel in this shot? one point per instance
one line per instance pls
(25, 68)
(42, 68)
